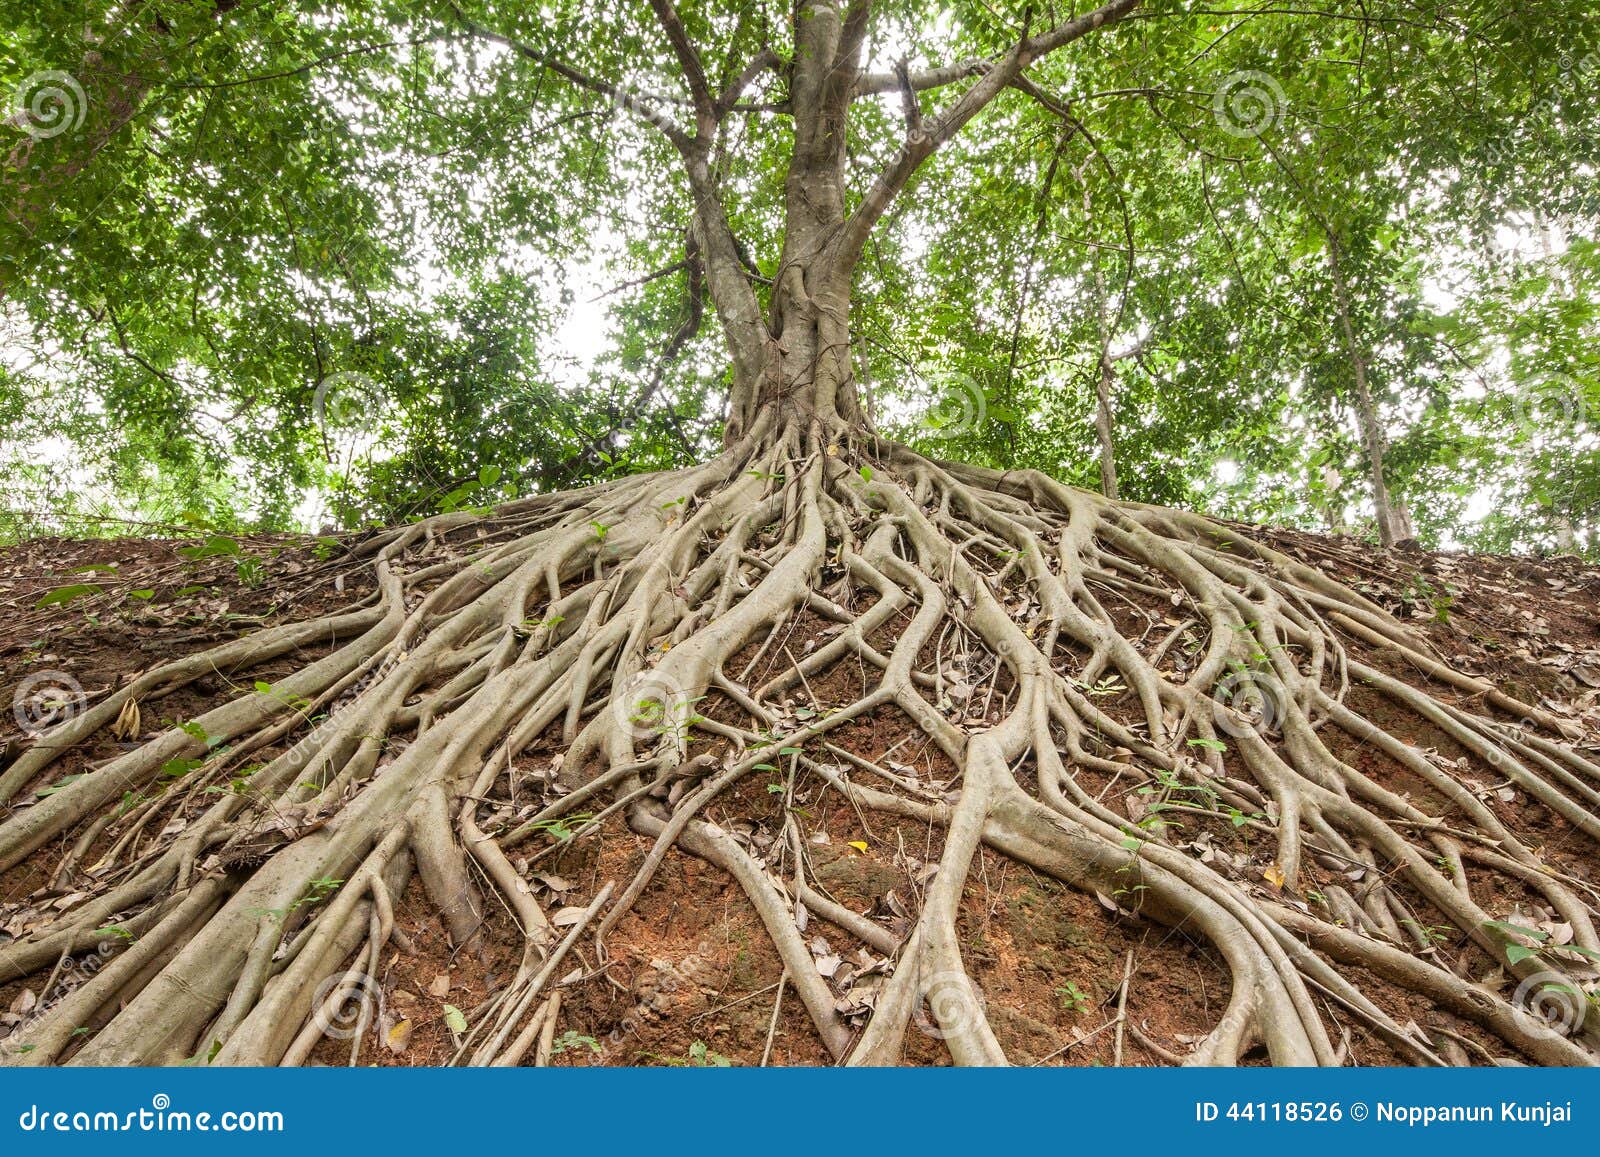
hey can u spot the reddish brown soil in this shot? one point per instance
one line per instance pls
(691, 965)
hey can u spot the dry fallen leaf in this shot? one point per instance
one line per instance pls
(455, 1018)
(398, 1037)
(126, 725)
(440, 986)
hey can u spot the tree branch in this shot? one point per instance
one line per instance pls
(617, 93)
(689, 61)
(873, 83)
(764, 60)
(920, 145)
(736, 303)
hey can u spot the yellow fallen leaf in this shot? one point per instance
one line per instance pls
(1273, 875)
(398, 1037)
(859, 845)
(126, 725)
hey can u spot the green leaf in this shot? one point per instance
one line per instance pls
(455, 1018)
(217, 544)
(1580, 950)
(1517, 953)
(58, 785)
(179, 767)
(1518, 929)
(61, 596)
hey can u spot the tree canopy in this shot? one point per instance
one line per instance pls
(337, 263)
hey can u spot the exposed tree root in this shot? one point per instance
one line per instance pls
(250, 895)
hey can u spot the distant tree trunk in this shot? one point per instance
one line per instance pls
(1040, 224)
(39, 167)
(1394, 522)
(1332, 509)
(1105, 382)
(1105, 377)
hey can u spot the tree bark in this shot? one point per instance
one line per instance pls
(1394, 522)
(1105, 381)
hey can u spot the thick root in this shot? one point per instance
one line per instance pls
(250, 901)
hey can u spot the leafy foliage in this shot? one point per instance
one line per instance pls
(331, 263)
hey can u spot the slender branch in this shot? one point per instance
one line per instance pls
(920, 145)
(873, 83)
(624, 99)
(764, 60)
(689, 61)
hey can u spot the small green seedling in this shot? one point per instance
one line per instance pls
(572, 1040)
(702, 1057)
(1073, 998)
(1517, 953)
(564, 827)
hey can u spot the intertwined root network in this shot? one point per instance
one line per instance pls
(993, 610)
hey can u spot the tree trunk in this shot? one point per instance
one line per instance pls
(1394, 522)
(1105, 368)
(1105, 380)
(804, 370)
